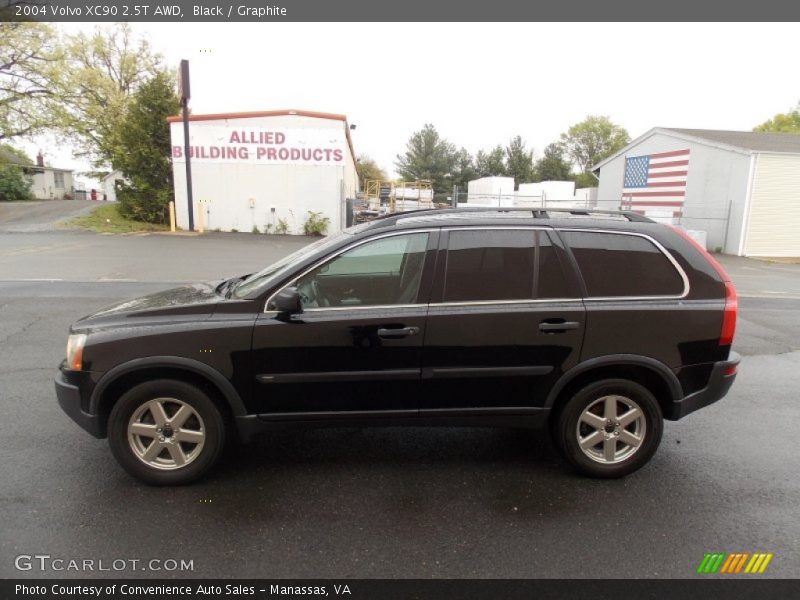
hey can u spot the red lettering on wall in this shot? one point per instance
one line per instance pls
(177, 152)
(337, 155)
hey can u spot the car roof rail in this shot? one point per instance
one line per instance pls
(537, 213)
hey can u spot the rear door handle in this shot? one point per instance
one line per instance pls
(558, 327)
(401, 332)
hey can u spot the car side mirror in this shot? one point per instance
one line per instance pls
(287, 301)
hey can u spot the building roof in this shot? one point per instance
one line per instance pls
(273, 113)
(742, 141)
(7, 156)
(261, 113)
(749, 140)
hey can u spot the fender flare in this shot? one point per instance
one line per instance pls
(187, 364)
(656, 366)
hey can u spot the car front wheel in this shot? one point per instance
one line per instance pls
(610, 428)
(166, 432)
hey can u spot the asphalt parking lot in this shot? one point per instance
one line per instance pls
(382, 502)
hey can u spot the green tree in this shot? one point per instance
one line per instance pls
(553, 166)
(585, 180)
(592, 140)
(14, 184)
(519, 161)
(428, 156)
(463, 169)
(491, 163)
(31, 64)
(367, 168)
(10, 154)
(102, 73)
(782, 122)
(141, 150)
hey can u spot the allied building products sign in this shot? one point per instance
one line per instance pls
(230, 144)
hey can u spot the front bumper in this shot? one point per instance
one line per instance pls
(69, 398)
(719, 383)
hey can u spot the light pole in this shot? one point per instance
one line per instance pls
(185, 95)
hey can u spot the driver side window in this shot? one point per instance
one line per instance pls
(385, 271)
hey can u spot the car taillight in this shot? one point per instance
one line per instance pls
(731, 301)
(729, 315)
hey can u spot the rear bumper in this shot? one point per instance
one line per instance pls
(719, 383)
(69, 399)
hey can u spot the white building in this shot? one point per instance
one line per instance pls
(741, 188)
(50, 183)
(556, 194)
(47, 183)
(491, 191)
(109, 185)
(265, 169)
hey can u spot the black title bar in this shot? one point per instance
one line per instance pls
(403, 589)
(188, 11)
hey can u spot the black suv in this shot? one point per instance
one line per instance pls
(597, 325)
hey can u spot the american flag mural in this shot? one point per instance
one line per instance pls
(655, 184)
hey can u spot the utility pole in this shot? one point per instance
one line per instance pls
(185, 95)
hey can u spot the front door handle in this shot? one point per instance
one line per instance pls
(393, 334)
(558, 326)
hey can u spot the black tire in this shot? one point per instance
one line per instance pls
(210, 423)
(566, 433)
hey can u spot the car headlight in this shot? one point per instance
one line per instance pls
(75, 344)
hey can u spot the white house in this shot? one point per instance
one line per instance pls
(740, 187)
(47, 183)
(109, 185)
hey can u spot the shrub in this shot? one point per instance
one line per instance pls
(13, 183)
(316, 224)
(255, 229)
(282, 226)
(143, 203)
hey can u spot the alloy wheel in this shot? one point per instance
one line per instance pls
(611, 429)
(166, 433)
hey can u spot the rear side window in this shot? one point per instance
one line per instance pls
(501, 265)
(622, 265)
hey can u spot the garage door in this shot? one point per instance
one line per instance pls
(773, 228)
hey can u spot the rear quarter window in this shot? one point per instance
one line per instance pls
(614, 264)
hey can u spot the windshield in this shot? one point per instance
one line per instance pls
(276, 269)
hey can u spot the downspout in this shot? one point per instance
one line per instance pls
(751, 176)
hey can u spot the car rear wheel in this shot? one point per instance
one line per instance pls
(610, 428)
(166, 432)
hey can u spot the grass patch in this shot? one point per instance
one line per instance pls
(106, 219)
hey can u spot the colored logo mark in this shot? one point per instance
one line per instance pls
(734, 563)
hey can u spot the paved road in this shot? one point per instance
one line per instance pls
(379, 502)
(40, 215)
